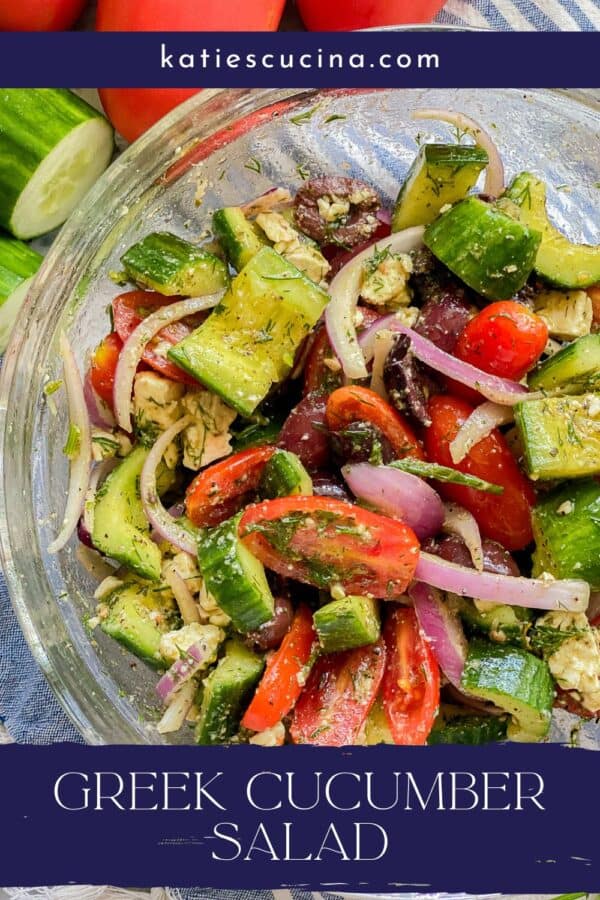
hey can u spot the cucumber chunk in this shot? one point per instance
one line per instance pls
(138, 616)
(503, 624)
(559, 261)
(575, 367)
(489, 251)
(560, 436)
(240, 238)
(226, 692)
(18, 265)
(566, 529)
(440, 174)
(515, 681)
(168, 264)
(468, 729)
(349, 622)
(284, 476)
(234, 577)
(249, 342)
(121, 529)
(53, 147)
(377, 730)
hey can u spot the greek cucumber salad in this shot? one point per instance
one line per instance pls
(340, 464)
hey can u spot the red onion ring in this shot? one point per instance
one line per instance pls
(185, 601)
(178, 708)
(99, 414)
(478, 426)
(181, 671)
(500, 390)
(461, 522)
(166, 526)
(80, 466)
(344, 291)
(494, 178)
(533, 593)
(399, 495)
(443, 630)
(133, 349)
(273, 199)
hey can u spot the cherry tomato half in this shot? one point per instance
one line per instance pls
(504, 339)
(323, 542)
(505, 517)
(104, 365)
(411, 683)
(219, 491)
(130, 308)
(281, 685)
(339, 693)
(360, 404)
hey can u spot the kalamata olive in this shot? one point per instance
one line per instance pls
(304, 432)
(83, 534)
(406, 381)
(326, 484)
(270, 635)
(443, 317)
(337, 210)
(453, 549)
(360, 442)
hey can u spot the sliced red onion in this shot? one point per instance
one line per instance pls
(478, 426)
(166, 526)
(533, 593)
(443, 630)
(384, 216)
(494, 178)
(185, 600)
(345, 291)
(99, 413)
(178, 708)
(80, 465)
(384, 341)
(133, 348)
(98, 475)
(500, 390)
(461, 522)
(273, 199)
(397, 494)
(181, 671)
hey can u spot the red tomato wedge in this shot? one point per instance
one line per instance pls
(361, 404)
(221, 490)
(505, 517)
(338, 696)
(323, 542)
(504, 339)
(411, 683)
(104, 365)
(131, 308)
(281, 684)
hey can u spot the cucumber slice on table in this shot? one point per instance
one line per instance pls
(516, 681)
(170, 265)
(234, 577)
(559, 261)
(485, 248)
(440, 174)
(53, 147)
(18, 265)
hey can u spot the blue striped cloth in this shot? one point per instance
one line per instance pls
(522, 15)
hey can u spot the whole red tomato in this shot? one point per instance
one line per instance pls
(39, 15)
(133, 111)
(328, 15)
(188, 15)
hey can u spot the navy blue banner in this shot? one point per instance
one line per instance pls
(503, 818)
(299, 60)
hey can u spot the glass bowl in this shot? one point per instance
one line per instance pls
(239, 143)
